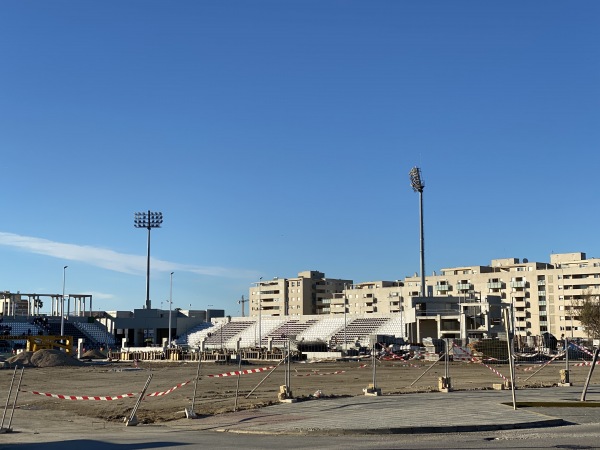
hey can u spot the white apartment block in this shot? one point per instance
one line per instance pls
(309, 293)
(542, 296)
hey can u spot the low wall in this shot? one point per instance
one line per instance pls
(322, 355)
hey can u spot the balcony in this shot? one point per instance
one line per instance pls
(495, 285)
(521, 324)
(442, 287)
(520, 315)
(521, 303)
(464, 287)
(518, 284)
(541, 283)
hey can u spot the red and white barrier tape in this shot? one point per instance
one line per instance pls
(337, 372)
(158, 394)
(583, 349)
(240, 372)
(495, 371)
(82, 397)
(584, 364)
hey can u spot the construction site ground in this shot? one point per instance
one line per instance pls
(171, 389)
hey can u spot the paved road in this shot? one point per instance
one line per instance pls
(468, 419)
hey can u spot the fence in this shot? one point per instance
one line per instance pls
(250, 379)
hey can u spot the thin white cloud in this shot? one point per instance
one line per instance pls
(109, 259)
(100, 295)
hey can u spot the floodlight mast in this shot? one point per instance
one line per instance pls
(148, 220)
(417, 184)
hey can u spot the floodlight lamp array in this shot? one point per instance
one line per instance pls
(415, 179)
(148, 219)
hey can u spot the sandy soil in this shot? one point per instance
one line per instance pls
(216, 395)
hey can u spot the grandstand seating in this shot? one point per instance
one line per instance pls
(292, 327)
(226, 332)
(96, 333)
(358, 330)
(19, 328)
(250, 337)
(194, 337)
(322, 330)
(393, 327)
(329, 329)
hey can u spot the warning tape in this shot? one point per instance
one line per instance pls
(495, 371)
(583, 349)
(584, 364)
(337, 372)
(82, 397)
(240, 372)
(158, 394)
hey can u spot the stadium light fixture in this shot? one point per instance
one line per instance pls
(148, 220)
(418, 185)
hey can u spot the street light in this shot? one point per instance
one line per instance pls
(418, 186)
(148, 220)
(62, 304)
(259, 313)
(345, 324)
(170, 306)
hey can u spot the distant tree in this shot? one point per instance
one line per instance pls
(588, 310)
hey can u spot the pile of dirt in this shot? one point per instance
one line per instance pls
(43, 358)
(93, 354)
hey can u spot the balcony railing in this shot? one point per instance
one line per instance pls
(518, 284)
(442, 287)
(495, 285)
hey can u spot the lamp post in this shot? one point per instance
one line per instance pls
(418, 186)
(148, 220)
(170, 306)
(259, 313)
(62, 304)
(345, 301)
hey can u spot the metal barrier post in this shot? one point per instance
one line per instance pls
(191, 414)
(237, 387)
(589, 377)
(15, 401)
(511, 362)
(12, 382)
(132, 421)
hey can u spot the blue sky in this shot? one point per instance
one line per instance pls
(277, 137)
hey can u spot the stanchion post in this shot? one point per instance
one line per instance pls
(12, 382)
(15, 401)
(372, 389)
(445, 384)
(511, 363)
(132, 421)
(589, 377)
(237, 387)
(191, 413)
(564, 374)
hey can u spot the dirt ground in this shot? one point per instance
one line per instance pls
(215, 395)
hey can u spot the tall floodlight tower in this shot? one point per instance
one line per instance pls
(417, 184)
(148, 220)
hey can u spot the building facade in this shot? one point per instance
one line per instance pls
(309, 293)
(542, 296)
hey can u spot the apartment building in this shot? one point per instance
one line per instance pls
(543, 296)
(307, 294)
